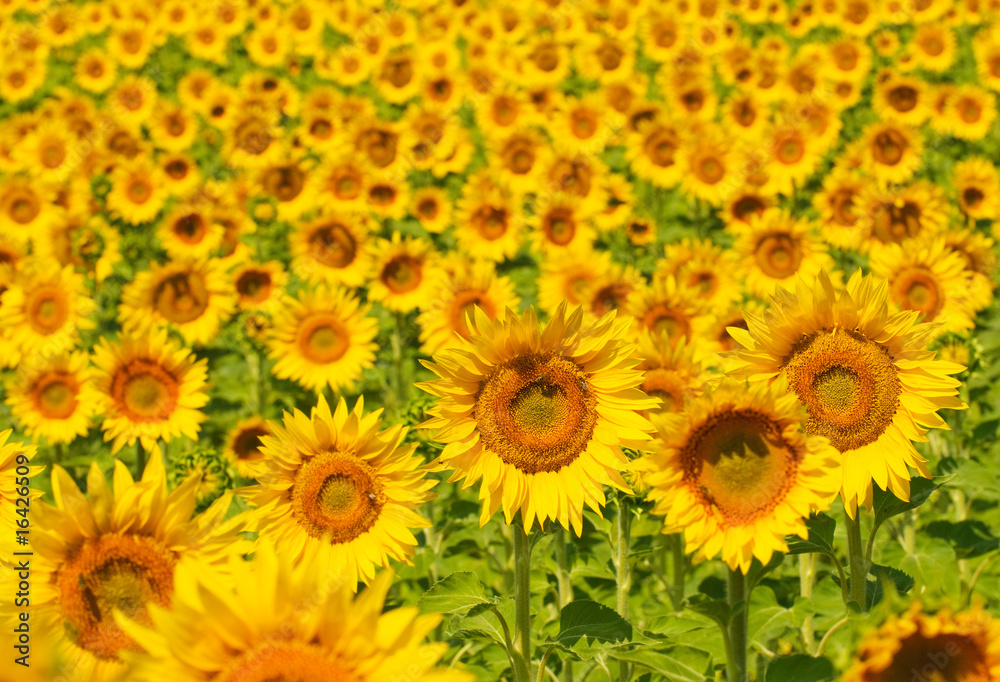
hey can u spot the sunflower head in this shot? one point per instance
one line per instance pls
(861, 370)
(208, 466)
(539, 413)
(946, 646)
(333, 483)
(736, 472)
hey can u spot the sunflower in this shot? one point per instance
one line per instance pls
(192, 296)
(334, 488)
(406, 275)
(259, 285)
(15, 468)
(704, 269)
(488, 219)
(583, 124)
(387, 196)
(964, 647)
(980, 262)
(432, 208)
(568, 275)
(322, 337)
(21, 78)
(736, 472)
(933, 47)
(137, 194)
(970, 112)
(518, 408)
(51, 396)
(987, 51)
(559, 224)
(148, 388)
(48, 153)
(343, 181)
(471, 286)
(793, 156)
(187, 232)
(707, 166)
(292, 184)
(653, 152)
(132, 100)
(904, 99)
(664, 308)
(25, 207)
(327, 632)
(44, 308)
(518, 158)
(117, 551)
(333, 248)
(977, 185)
(893, 215)
(861, 370)
(744, 116)
(891, 152)
(930, 279)
(673, 372)
(612, 290)
(620, 203)
(267, 45)
(244, 446)
(91, 245)
(839, 207)
(775, 247)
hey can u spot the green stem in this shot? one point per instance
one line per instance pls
(623, 573)
(807, 580)
(60, 452)
(856, 559)
(522, 602)
(565, 583)
(399, 387)
(736, 666)
(679, 562)
(256, 383)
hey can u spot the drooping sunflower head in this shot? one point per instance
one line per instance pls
(117, 551)
(327, 633)
(861, 370)
(333, 483)
(736, 472)
(148, 388)
(539, 413)
(945, 646)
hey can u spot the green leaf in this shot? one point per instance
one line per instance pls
(456, 593)
(758, 570)
(970, 538)
(886, 505)
(821, 529)
(768, 620)
(590, 621)
(716, 609)
(902, 582)
(800, 668)
(932, 563)
(680, 663)
(482, 621)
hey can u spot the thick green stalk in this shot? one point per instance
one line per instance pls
(140, 460)
(679, 569)
(522, 603)
(623, 572)
(807, 581)
(736, 665)
(856, 559)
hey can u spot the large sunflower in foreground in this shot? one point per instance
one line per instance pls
(862, 371)
(15, 463)
(539, 414)
(736, 472)
(323, 337)
(326, 632)
(959, 647)
(117, 551)
(336, 488)
(194, 297)
(148, 388)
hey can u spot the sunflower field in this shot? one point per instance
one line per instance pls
(460, 340)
